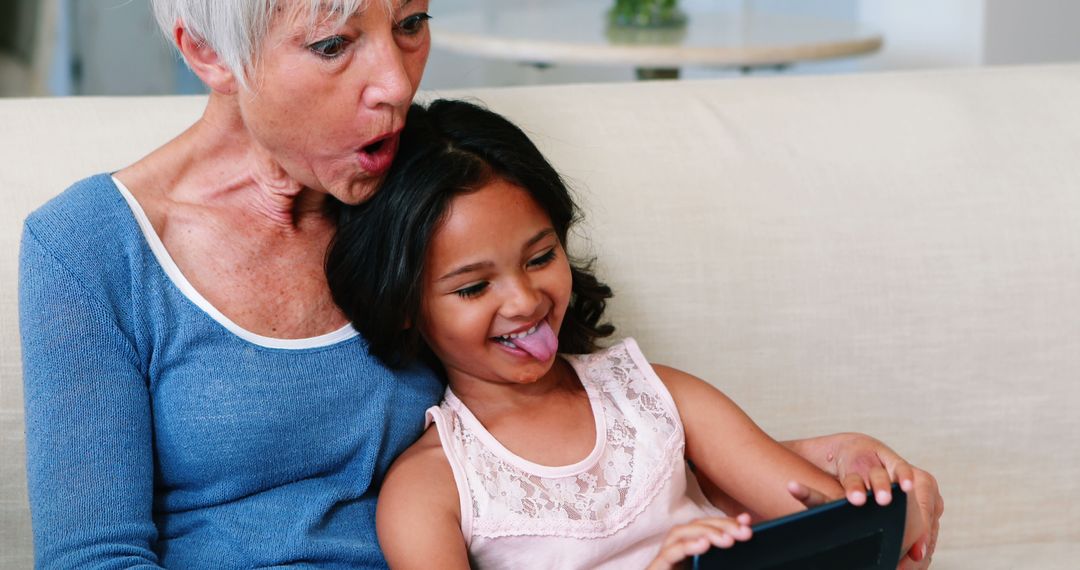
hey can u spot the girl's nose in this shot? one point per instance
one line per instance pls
(522, 299)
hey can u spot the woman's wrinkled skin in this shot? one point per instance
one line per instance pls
(240, 198)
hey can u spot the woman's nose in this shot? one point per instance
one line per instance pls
(389, 82)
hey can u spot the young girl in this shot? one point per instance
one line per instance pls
(546, 452)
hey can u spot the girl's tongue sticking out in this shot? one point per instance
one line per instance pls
(541, 344)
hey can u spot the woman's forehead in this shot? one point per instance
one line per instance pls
(318, 10)
(303, 17)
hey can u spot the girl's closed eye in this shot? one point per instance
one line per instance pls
(543, 259)
(471, 291)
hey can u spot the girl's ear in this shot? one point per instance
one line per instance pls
(204, 62)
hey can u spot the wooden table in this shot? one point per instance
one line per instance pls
(577, 32)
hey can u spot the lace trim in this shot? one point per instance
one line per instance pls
(643, 444)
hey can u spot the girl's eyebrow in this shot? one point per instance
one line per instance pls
(539, 236)
(467, 269)
(487, 264)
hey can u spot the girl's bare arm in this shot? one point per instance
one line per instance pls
(418, 516)
(729, 449)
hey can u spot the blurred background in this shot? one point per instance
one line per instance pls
(113, 47)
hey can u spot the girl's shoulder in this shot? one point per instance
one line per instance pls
(418, 510)
(627, 354)
(420, 476)
(424, 458)
(621, 362)
(624, 351)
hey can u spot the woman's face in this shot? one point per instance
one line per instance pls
(495, 270)
(328, 103)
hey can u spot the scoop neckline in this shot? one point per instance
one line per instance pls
(549, 471)
(177, 278)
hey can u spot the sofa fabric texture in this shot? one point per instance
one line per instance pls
(896, 253)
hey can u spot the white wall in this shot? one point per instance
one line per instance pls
(448, 70)
(1032, 31)
(121, 51)
(925, 33)
(918, 34)
(939, 33)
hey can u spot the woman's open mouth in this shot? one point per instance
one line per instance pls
(377, 156)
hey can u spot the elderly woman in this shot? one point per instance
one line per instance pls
(194, 398)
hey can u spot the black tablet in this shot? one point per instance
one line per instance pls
(833, 536)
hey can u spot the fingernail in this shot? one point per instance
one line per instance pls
(923, 550)
(883, 497)
(858, 497)
(906, 485)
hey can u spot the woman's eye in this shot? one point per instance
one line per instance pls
(413, 24)
(330, 47)
(471, 290)
(542, 259)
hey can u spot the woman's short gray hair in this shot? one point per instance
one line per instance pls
(235, 29)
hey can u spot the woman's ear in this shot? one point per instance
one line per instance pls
(204, 62)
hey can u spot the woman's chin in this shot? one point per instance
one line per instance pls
(359, 191)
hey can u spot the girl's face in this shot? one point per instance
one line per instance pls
(495, 268)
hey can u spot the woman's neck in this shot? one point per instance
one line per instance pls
(216, 161)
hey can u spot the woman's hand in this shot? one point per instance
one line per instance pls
(930, 507)
(863, 463)
(695, 537)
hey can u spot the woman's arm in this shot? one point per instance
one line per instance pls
(90, 464)
(861, 462)
(418, 517)
(729, 449)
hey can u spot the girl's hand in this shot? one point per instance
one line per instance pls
(697, 536)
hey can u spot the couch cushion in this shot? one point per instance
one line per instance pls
(893, 253)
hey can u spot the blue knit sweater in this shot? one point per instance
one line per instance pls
(156, 435)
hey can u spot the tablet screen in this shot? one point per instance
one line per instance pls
(833, 536)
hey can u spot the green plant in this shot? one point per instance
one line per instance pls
(647, 13)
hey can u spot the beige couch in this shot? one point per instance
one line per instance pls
(897, 254)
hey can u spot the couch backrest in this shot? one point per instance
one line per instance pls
(897, 254)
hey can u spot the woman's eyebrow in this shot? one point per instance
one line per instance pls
(398, 6)
(332, 9)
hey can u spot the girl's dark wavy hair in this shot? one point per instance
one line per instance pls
(375, 264)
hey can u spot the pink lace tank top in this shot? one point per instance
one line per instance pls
(612, 509)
